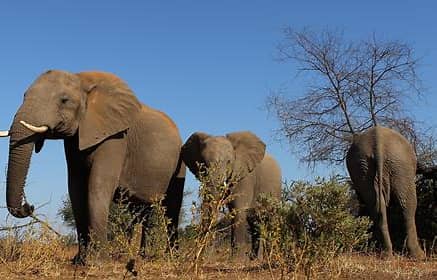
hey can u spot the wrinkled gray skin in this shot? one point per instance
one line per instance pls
(382, 167)
(112, 143)
(241, 158)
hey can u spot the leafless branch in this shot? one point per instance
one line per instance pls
(353, 85)
(45, 224)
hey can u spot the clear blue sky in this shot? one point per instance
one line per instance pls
(208, 64)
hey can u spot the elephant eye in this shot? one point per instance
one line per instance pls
(64, 99)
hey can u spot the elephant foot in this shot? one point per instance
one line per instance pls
(241, 254)
(79, 259)
(387, 255)
(147, 257)
(142, 254)
(418, 255)
(253, 255)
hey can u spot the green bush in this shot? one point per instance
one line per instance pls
(426, 214)
(312, 224)
(323, 212)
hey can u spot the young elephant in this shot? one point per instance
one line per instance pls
(382, 166)
(240, 157)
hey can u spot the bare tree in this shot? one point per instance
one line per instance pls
(351, 86)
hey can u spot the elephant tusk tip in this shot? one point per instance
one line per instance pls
(4, 133)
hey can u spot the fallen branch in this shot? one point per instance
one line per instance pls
(36, 220)
(18, 226)
(47, 225)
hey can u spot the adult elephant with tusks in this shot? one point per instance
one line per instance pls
(240, 161)
(113, 144)
(382, 167)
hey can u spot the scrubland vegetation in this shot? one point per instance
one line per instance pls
(311, 233)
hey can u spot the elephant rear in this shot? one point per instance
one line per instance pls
(382, 166)
(380, 148)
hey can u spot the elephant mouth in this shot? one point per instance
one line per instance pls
(39, 143)
(41, 133)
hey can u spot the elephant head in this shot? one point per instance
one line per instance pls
(233, 156)
(91, 106)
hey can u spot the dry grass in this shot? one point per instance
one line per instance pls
(36, 253)
(373, 267)
(51, 261)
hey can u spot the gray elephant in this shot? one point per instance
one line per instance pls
(113, 144)
(382, 167)
(240, 158)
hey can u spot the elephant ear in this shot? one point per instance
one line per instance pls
(191, 151)
(110, 108)
(249, 152)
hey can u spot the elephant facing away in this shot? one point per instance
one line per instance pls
(240, 157)
(113, 144)
(382, 167)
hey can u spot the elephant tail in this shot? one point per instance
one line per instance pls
(382, 196)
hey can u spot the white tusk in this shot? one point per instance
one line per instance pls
(4, 133)
(36, 129)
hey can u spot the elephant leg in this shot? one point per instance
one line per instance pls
(408, 203)
(143, 215)
(366, 192)
(412, 241)
(130, 232)
(104, 176)
(143, 240)
(255, 235)
(99, 200)
(383, 227)
(173, 203)
(240, 237)
(240, 231)
(78, 196)
(77, 190)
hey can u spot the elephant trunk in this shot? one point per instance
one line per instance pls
(21, 145)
